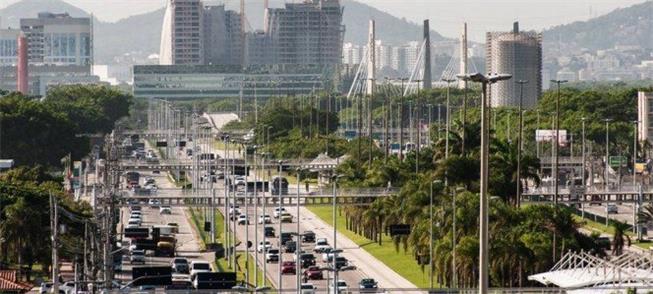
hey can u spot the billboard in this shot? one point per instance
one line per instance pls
(549, 136)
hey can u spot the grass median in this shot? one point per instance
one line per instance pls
(401, 262)
(197, 220)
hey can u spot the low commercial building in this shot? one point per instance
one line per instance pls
(44, 77)
(184, 82)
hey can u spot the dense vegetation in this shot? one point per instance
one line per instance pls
(43, 132)
(37, 134)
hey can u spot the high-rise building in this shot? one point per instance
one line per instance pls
(519, 54)
(645, 116)
(222, 42)
(58, 39)
(308, 33)
(399, 59)
(182, 40)
(8, 46)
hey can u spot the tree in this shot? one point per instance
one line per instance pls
(619, 238)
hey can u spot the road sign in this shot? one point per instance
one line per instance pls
(616, 161)
(396, 230)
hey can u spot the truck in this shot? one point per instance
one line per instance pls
(165, 246)
(132, 178)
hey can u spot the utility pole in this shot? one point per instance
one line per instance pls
(401, 121)
(54, 227)
(448, 123)
(519, 139)
(555, 164)
(417, 127)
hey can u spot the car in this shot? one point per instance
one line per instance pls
(149, 181)
(341, 262)
(136, 213)
(278, 211)
(240, 180)
(135, 208)
(272, 255)
(243, 220)
(327, 255)
(47, 288)
(341, 286)
(263, 246)
(367, 284)
(165, 210)
(174, 227)
(137, 256)
(286, 218)
(133, 223)
(290, 246)
(264, 218)
(199, 266)
(308, 288)
(154, 203)
(308, 237)
(136, 218)
(288, 267)
(321, 245)
(611, 208)
(313, 273)
(268, 232)
(156, 172)
(147, 288)
(285, 237)
(68, 287)
(180, 265)
(307, 259)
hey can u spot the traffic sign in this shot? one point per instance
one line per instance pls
(616, 161)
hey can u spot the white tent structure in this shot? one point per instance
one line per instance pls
(582, 272)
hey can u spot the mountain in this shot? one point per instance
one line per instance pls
(630, 26)
(10, 16)
(139, 35)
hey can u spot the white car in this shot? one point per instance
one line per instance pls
(278, 211)
(165, 210)
(327, 256)
(154, 203)
(308, 288)
(243, 219)
(133, 223)
(321, 245)
(272, 255)
(342, 286)
(264, 219)
(240, 180)
(263, 246)
(198, 266)
(285, 218)
(68, 287)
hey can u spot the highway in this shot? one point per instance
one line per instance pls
(365, 265)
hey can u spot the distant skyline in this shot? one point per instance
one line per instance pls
(446, 15)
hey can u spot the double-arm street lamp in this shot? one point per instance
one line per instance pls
(484, 208)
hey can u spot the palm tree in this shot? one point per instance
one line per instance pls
(645, 216)
(619, 239)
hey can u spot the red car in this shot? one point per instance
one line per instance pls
(289, 267)
(313, 273)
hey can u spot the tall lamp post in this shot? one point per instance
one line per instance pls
(555, 148)
(635, 125)
(484, 207)
(448, 122)
(606, 174)
(520, 138)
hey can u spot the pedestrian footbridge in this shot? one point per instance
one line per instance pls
(582, 272)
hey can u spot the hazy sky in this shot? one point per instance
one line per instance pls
(446, 15)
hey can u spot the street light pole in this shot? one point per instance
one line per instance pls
(635, 125)
(519, 139)
(583, 151)
(484, 207)
(448, 122)
(401, 122)
(607, 153)
(431, 238)
(555, 150)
